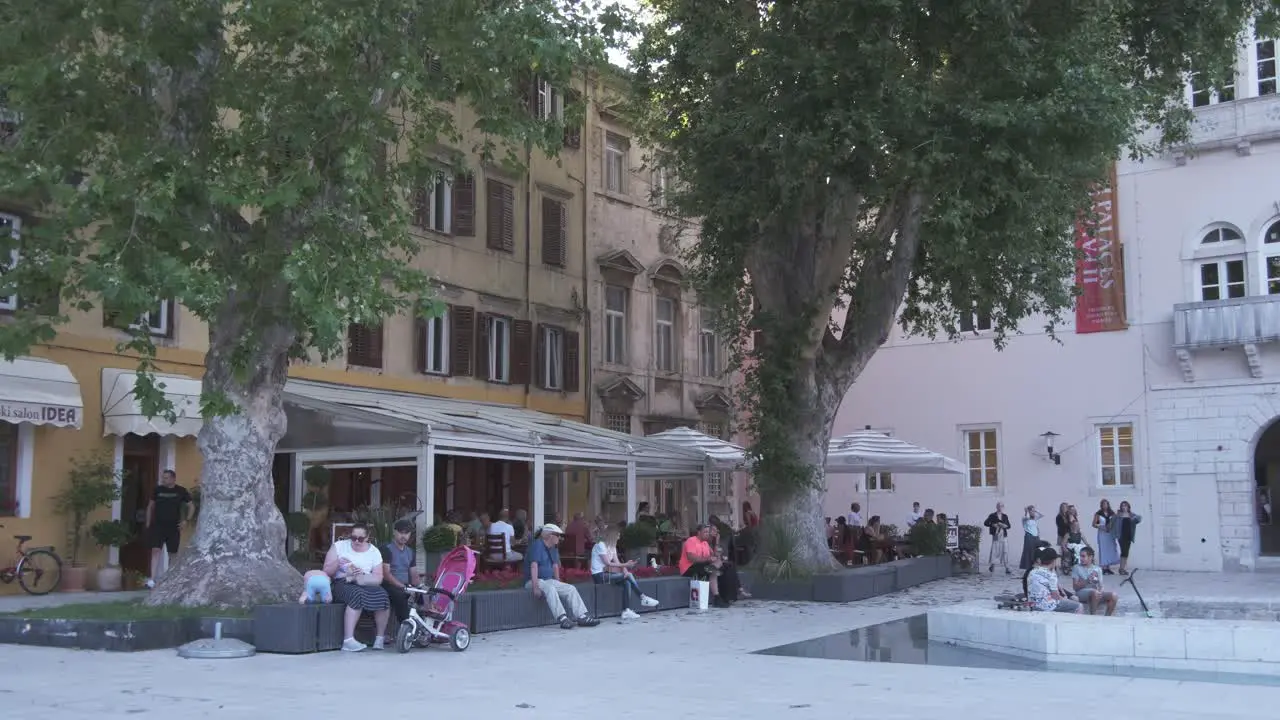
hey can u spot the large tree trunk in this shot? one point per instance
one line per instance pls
(237, 556)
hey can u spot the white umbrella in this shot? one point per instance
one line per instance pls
(722, 453)
(867, 451)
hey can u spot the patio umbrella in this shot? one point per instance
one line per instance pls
(868, 451)
(721, 455)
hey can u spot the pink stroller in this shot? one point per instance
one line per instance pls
(431, 617)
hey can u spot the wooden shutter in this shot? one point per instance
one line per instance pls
(420, 206)
(540, 356)
(500, 216)
(464, 206)
(521, 351)
(527, 87)
(420, 329)
(553, 232)
(572, 353)
(482, 364)
(462, 334)
(572, 135)
(364, 345)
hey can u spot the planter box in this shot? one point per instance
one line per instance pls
(287, 628)
(111, 635)
(610, 600)
(497, 610)
(916, 571)
(854, 584)
(671, 593)
(786, 590)
(329, 626)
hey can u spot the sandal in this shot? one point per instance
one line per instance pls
(1124, 572)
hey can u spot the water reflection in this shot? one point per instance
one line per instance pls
(907, 642)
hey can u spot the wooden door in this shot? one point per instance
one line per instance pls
(141, 473)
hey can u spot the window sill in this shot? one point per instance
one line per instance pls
(351, 367)
(1100, 491)
(435, 374)
(983, 490)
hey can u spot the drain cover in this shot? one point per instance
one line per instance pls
(216, 647)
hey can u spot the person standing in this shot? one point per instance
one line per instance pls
(170, 506)
(914, 516)
(1126, 526)
(855, 516)
(1108, 549)
(998, 525)
(1030, 537)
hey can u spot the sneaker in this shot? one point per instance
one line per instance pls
(566, 623)
(379, 643)
(719, 602)
(647, 601)
(991, 568)
(151, 584)
(352, 645)
(587, 621)
(1007, 571)
(630, 614)
(653, 564)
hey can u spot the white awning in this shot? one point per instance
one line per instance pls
(122, 412)
(40, 392)
(868, 451)
(723, 455)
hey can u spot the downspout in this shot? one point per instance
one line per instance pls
(528, 247)
(587, 324)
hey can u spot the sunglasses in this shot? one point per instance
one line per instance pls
(359, 538)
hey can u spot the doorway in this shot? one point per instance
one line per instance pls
(1266, 476)
(140, 474)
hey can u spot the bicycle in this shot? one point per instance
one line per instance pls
(31, 566)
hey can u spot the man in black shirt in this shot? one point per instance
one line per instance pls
(170, 506)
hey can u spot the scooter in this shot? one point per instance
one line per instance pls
(1129, 581)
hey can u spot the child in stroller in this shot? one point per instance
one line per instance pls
(431, 615)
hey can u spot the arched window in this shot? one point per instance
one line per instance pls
(1271, 258)
(1220, 264)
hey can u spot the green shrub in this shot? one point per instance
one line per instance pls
(778, 556)
(439, 538)
(970, 538)
(927, 539)
(638, 535)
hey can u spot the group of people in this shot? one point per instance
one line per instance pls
(1115, 533)
(1043, 592)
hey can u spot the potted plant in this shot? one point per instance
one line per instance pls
(927, 539)
(108, 534)
(638, 539)
(92, 484)
(964, 558)
(300, 522)
(436, 541)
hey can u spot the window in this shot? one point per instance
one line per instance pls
(664, 351)
(880, 482)
(975, 322)
(709, 345)
(499, 349)
(435, 352)
(433, 206)
(615, 491)
(615, 325)
(500, 216)
(1271, 252)
(616, 149)
(1115, 455)
(552, 358)
(1202, 94)
(1264, 52)
(1221, 235)
(8, 469)
(1221, 279)
(715, 484)
(659, 184)
(618, 423)
(11, 224)
(158, 321)
(555, 226)
(364, 345)
(715, 430)
(549, 102)
(984, 463)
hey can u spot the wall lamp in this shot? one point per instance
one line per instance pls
(1054, 457)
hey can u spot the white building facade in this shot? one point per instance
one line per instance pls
(1174, 410)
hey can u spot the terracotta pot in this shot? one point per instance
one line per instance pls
(110, 579)
(73, 578)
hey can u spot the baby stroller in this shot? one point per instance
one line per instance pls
(431, 616)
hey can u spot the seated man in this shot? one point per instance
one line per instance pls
(504, 528)
(1043, 592)
(398, 568)
(542, 578)
(1086, 578)
(699, 562)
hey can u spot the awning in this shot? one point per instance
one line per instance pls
(122, 412)
(40, 392)
(868, 451)
(723, 455)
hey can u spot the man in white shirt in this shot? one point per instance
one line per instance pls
(504, 528)
(855, 516)
(914, 516)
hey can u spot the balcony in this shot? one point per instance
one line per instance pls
(1239, 322)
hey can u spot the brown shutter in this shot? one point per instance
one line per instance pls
(463, 336)
(375, 345)
(572, 353)
(553, 232)
(481, 366)
(421, 208)
(540, 356)
(572, 135)
(521, 351)
(464, 206)
(500, 216)
(420, 344)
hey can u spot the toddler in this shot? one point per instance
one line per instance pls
(317, 588)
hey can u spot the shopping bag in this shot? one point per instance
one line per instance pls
(699, 594)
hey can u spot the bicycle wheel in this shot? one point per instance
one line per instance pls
(40, 572)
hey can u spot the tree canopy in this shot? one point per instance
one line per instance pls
(252, 160)
(856, 163)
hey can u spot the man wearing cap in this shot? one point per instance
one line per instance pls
(542, 578)
(1042, 585)
(399, 559)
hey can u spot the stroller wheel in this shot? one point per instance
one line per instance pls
(460, 639)
(404, 636)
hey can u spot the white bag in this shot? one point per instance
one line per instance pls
(699, 594)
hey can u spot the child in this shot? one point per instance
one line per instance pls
(317, 588)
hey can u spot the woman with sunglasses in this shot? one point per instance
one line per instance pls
(356, 568)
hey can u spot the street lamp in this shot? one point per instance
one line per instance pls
(1054, 457)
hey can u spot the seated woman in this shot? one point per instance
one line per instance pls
(722, 543)
(699, 562)
(1043, 592)
(356, 568)
(874, 543)
(607, 569)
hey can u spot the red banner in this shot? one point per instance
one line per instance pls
(1100, 307)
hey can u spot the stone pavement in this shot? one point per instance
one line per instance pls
(673, 664)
